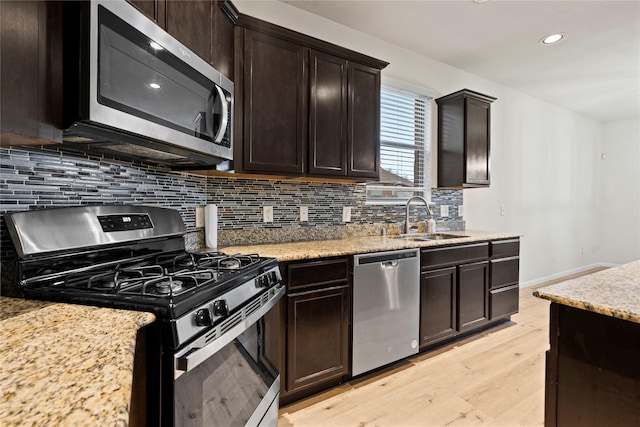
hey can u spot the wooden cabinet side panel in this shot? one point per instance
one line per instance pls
(364, 121)
(275, 104)
(153, 9)
(327, 114)
(477, 127)
(222, 44)
(317, 336)
(451, 143)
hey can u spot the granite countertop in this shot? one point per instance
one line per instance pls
(66, 364)
(357, 245)
(613, 292)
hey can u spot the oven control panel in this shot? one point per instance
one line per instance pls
(124, 222)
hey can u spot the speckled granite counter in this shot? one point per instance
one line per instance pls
(614, 292)
(66, 365)
(356, 245)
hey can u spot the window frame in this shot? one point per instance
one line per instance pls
(425, 190)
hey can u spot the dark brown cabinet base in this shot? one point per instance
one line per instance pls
(593, 370)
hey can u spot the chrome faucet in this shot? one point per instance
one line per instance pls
(406, 217)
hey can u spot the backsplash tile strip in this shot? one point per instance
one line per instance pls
(33, 178)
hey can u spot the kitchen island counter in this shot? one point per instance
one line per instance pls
(593, 375)
(357, 245)
(66, 364)
(614, 292)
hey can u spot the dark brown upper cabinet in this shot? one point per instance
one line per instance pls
(31, 72)
(304, 107)
(464, 125)
(203, 26)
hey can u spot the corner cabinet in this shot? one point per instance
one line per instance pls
(304, 107)
(464, 140)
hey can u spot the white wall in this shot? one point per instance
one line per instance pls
(545, 165)
(619, 200)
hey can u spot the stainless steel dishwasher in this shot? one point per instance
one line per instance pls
(386, 308)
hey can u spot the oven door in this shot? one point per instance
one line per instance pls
(220, 379)
(233, 387)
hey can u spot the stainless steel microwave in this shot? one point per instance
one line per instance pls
(133, 91)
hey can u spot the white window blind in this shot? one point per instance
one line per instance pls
(405, 120)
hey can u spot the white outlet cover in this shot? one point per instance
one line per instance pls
(346, 214)
(444, 211)
(199, 216)
(267, 214)
(460, 211)
(304, 213)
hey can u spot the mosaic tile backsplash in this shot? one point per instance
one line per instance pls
(45, 177)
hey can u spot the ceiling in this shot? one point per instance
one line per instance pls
(594, 70)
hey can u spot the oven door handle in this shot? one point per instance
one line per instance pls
(187, 359)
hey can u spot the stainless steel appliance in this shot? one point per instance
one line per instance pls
(203, 363)
(132, 91)
(386, 308)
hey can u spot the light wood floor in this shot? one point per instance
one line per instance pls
(495, 378)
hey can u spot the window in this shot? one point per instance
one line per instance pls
(405, 144)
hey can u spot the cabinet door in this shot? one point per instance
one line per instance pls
(153, 9)
(364, 121)
(317, 336)
(472, 295)
(477, 142)
(437, 305)
(275, 104)
(191, 23)
(30, 72)
(327, 114)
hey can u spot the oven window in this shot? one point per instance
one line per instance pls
(225, 390)
(137, 76)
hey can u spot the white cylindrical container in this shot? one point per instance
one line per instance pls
(431, 225)
(211, 226)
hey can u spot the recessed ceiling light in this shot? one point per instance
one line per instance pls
(154, 85)
(552, 38)
(480, 1)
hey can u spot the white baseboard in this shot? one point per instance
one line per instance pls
(540, 280)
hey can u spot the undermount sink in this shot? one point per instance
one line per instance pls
(427, 237)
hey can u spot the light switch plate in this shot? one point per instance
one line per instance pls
(444, 211)
(267, 214)
(304, 213)
(346, 214)
(199, 216)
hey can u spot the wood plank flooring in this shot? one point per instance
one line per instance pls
(495, 378)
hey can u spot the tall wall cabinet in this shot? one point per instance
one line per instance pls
(464, 139)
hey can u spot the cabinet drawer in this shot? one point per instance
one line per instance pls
(440, 257)
(505, 272)
(317, 273)
(503, 301)
(505, 248)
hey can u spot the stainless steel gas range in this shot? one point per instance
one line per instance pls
(203, 363)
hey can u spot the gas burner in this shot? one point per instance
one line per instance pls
(169, 286)
(229, 264)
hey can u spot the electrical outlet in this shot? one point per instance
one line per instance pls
(304, 213)
(503, 210)
(444, 211)
(199, 216)
(267, 213)
(346, 214)
(460, 214)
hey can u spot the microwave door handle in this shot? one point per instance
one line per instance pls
(225, 116)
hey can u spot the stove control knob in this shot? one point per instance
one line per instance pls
(262, 281)
(273, 277)
(203, 317)
(220, 308)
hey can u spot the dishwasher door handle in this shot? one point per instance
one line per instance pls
(389, 264)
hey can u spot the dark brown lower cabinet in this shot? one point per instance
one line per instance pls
(593, 370)
(317, 336)
(473, 283)
(438, 313)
